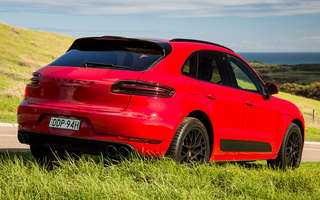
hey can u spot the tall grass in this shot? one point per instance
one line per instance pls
(144, 178)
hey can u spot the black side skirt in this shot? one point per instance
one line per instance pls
(244, 146)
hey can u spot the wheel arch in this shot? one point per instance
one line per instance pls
(204, 118)
(300, 125)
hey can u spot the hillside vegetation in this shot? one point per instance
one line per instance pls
(311, 91)
(22, 52)
(302, 80)
(303, 74)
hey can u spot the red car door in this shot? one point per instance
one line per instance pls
(225, 104)
(260, 122)
(260, 114)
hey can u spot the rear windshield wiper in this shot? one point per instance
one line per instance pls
(103, 65)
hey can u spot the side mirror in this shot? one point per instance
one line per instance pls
(270, 89)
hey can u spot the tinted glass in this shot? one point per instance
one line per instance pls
(190, 66)
(245, 78)
(108, 59)
(207, 66)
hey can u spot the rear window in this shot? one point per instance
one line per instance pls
(110, 54)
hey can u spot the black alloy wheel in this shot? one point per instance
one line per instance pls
(190, 143)
(293, 149)
(290, 152)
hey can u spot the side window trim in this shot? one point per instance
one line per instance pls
(229, 71)
(233, 77)
(188, 59)
(224, 72)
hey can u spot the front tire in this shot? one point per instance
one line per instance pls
(290, 152)
(190, 142)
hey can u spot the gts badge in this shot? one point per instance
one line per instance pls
(71, 86)
(66, 83)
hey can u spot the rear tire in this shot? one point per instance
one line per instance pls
(190, 142)
(290, 152)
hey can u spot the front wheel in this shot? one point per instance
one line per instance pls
(290, 152)
(190, 142)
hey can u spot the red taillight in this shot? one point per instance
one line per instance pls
(142, 88)
(26, 94)
(35, 80)
(19, 109)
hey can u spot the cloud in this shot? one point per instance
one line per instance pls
(177, 8)
(317, 38)
(312, 38)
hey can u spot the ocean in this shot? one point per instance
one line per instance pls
(294, 58)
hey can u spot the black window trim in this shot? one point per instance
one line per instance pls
(233, 77)
(225, 72)
(192, 54)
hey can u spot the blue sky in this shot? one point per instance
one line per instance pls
(242, 25)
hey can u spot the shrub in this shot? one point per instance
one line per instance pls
(310, 91)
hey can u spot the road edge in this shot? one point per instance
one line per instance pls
(8, 125)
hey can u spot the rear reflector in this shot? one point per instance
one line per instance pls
(149, 141)
(19, 109)
(142, 88)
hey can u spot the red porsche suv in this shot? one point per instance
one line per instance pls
(189, 99)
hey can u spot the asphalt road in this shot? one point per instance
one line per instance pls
(9, 142)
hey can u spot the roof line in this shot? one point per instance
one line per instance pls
(198, 41)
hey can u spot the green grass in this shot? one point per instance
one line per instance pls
(94, 178)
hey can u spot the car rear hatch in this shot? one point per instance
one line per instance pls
(83, 76)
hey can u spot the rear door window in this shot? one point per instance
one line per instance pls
(207, 66)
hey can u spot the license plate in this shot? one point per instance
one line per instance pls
(69, 124)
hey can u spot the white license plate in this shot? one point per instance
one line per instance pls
(69, 124)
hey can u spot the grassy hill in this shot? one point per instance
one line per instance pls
(306, 106)
(24, 51)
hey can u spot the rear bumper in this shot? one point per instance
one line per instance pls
(84, 145)
(136, 126)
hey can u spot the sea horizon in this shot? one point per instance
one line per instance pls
(284, 58)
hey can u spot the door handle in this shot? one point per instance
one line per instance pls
(211, 97)
(249, 103)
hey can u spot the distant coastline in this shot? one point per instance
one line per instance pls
(284, 58)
